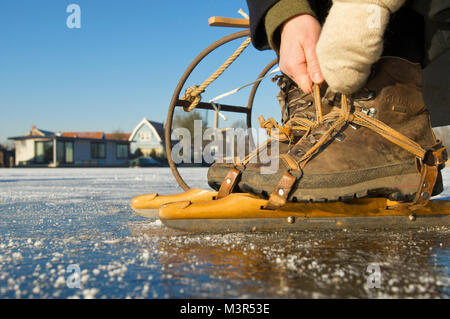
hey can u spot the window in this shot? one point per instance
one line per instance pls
(145, 136)
(68, 148)
(122, 150)
(43, 152)
(64, 152)
(60, 152)
(98, 150)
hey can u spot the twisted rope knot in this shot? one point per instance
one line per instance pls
(193, 95)
(281, 133)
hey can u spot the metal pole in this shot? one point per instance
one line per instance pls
(216, 119)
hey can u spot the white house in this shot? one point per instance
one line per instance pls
(148, 137)
(43, 148)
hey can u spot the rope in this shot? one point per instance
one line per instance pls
(193, 93)
(234, 91)
(221, 96)
(216, 107)
(242, 13)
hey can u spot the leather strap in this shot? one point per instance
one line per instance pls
(430, 170)
(429, 176)
(439, 153)
(427, 181)
(281, 192)
(229, 182)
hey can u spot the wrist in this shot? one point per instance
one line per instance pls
(279, 14)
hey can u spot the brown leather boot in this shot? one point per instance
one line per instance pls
(379, 142)
(298, 113)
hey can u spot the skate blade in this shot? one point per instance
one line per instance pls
(147, 205)
(147, 213)
(243, 212)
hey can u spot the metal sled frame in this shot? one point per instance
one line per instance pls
(176, 101)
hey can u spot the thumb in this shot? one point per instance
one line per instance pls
(313, 65)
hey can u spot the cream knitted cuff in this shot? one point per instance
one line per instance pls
(391, 5)
(352, 40)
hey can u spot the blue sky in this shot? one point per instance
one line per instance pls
(123, 64)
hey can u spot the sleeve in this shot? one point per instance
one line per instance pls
(281, 12)
(266, 16)
(258, 10)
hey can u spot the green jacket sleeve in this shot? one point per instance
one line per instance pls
(281, 12)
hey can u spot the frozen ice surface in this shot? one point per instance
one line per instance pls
(53, 218)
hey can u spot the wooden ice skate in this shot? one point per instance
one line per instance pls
(245, 212)
(148, 205)
(205, 211)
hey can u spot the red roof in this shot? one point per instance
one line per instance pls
(98, 135)
(118, 136)
(93, 135)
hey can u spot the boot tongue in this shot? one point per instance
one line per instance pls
(293, 101)
(330, 114)
(302, 105)
(286, 85)
(313, 137)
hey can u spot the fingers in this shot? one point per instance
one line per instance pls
(298, 58)
(294, 65)
(313, 64)
(301, 77)
(301, 64)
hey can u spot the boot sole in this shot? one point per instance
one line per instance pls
(400, 185)
(403, 188)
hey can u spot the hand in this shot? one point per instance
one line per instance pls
(298, 59)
